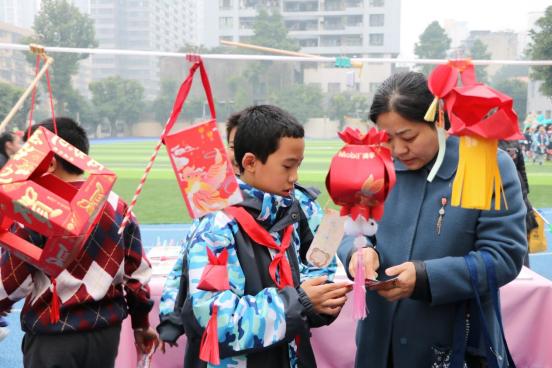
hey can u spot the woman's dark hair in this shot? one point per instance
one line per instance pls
(5, 138)
(260, 130)
(406, 94)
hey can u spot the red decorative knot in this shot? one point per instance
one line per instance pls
(443, 201)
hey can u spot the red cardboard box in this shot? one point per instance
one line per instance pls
(202, 169)
(61, 212)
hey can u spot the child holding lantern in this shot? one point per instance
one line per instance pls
(259, 308)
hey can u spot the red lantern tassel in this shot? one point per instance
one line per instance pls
(209, 348)
(54, 306)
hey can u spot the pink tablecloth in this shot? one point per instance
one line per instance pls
(527, 314)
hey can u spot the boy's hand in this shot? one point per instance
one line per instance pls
(326, 298)
(371, 262)
(146, 339)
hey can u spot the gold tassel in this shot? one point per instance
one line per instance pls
(477, 179)
(430, 113)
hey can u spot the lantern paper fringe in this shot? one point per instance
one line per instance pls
(477, 179)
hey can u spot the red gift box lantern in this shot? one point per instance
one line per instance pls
(42, 202)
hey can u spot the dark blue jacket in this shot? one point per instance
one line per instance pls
(407, 231)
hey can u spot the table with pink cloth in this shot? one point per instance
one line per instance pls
(526, 311)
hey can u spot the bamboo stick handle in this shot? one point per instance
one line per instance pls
(267, 49)
(25, 94)
(354, 63)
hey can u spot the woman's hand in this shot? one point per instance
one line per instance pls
(371, 262)
(403, 286)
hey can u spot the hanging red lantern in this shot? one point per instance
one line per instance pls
(480, 116)
(361, 176)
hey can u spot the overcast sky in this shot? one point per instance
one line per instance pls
(494, 15)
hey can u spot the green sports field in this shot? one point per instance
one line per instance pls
(161, 201)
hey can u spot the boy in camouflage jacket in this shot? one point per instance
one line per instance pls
(264, 316)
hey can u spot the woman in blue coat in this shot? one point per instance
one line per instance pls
(422, 240)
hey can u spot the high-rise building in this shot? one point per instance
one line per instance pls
(457, 31)
(501, 45)
(19, 13)
(14, 69)
(350, 28)
(149, 25)
(323, 27)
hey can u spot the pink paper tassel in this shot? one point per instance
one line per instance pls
(359, 290)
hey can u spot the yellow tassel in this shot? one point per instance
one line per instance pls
(430, 113)
(477, 179)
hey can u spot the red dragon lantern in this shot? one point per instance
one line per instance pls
(480, 116)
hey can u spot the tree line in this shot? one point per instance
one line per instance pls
(114, 99)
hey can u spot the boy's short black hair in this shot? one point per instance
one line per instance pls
(71, 132)
(232, 123)
(260, 130)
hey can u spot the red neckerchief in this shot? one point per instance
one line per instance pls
(260, 236)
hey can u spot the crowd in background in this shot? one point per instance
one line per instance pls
(537, 145)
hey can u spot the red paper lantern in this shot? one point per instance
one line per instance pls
(198, 156)
(481, 116)
(361, 174)
(42, 202)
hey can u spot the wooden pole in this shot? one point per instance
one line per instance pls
(356, 64)
(266, 49)
(39, 50)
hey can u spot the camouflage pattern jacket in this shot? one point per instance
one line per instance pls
(259, 325)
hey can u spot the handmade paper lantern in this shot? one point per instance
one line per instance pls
(63, 213)
(207, 182)
(361, 176)
(481, 116)
(198, 156)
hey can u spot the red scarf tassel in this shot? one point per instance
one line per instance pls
(55, 305)
(209, 348)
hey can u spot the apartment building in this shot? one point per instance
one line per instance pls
(151, 25)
